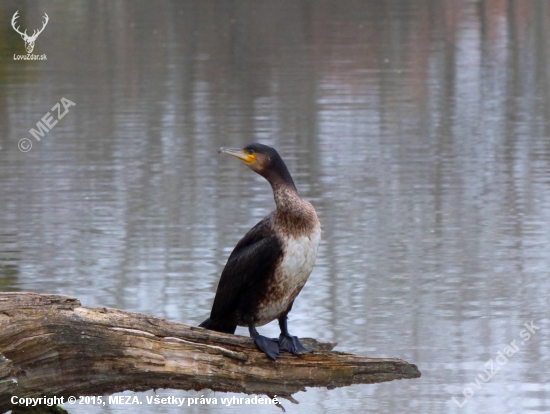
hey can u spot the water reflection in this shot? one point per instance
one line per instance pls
(419, 130)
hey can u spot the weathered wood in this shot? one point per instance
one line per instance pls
(54, 346)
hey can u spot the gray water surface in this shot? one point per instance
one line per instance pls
(419, 131)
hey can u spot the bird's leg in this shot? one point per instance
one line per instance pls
(269, 346)
(288, 342)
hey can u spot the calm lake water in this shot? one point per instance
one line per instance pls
(420, 131)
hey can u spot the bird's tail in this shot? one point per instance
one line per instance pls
(218, 326)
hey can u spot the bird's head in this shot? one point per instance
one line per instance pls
(257, 157)
(263, 160)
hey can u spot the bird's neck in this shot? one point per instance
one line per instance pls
(279, 177)
(294, 215)
(284, 190)
(286, 198)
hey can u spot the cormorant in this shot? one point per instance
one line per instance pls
(271, 263)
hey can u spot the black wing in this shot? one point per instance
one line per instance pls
(252, 260)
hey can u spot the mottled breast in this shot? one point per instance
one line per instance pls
(300, 253)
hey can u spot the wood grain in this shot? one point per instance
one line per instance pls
(51, 345)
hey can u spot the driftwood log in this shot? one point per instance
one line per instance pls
(50, 345)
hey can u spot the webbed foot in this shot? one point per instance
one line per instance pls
(292, 344)
(269, 346)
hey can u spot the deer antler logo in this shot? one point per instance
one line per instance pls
(29, 40)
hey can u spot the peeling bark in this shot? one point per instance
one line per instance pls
(51, 345)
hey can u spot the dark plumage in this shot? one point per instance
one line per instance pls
(271, 263)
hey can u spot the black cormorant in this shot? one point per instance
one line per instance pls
(271, 263)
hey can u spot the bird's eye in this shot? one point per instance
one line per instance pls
(250, 151)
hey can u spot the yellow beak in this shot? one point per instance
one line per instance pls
(239, 153)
